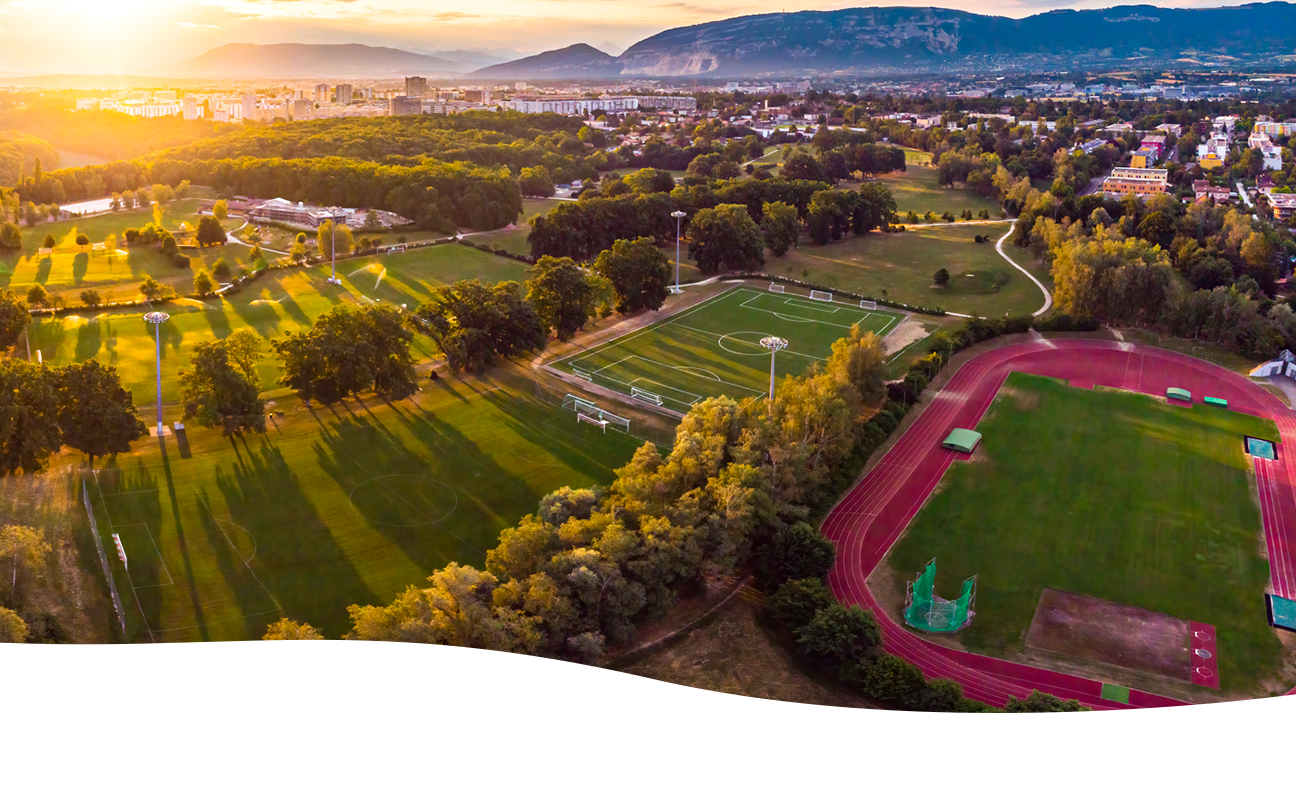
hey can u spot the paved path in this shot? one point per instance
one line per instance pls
(871, 517)
(1048, 297)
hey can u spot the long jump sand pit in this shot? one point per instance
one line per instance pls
(1109, 632)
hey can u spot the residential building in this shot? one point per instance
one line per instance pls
(1156, 144)
(415, 87)
(1170, 129)
(1143, 159)
(520, 86)
(1225, 123)
(1202, 189)
(164, 95)
(302, 109)
(248, 107)
(190, 108)
(87, 104)
(404, 105)
(321, 92)
(1283, 205)
(1272, 128)
(1216, 147)
(343, 92)
(1143, 182)
(1089, 146)
(478, 96)
(575, 105)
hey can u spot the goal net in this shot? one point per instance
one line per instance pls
(647, 396)
(867, 304)
(820, 295)
(400, 248)
(603, 423)
(594, 414)
(927, 611)
(776, 288)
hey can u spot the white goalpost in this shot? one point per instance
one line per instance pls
(587, 411)
(820, 295)
(397, 248)
(777, 288)
(646, 396)
(867, 304)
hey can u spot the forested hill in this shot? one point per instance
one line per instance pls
(19, 154)
(113, 135)
(857, 39)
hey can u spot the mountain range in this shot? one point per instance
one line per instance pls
(868, 38)
(297, 60)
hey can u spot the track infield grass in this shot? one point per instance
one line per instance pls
(713, 348)
(1106, 494)
(332, 506)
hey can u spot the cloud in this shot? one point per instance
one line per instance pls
(212, 26)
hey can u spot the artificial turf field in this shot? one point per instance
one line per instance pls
(277, 301)
(1106, 494)
(713, 348)
(332, 506)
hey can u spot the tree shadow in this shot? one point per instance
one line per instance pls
(80, 265)
(43, 268)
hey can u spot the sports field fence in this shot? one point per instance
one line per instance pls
(103, 558)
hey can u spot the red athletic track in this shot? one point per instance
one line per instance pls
(871, 517)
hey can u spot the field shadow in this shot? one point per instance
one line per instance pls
(80, 265)
(43, 268)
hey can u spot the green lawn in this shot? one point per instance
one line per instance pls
(115, 275)
(713, 348)
(514, 239)
(981, 282)
(916, 189)
(1106, 494)
(333, 506)
(277, 301)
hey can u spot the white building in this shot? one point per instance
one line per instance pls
(190, 107)
(321, 92)
(1216, 147)
(343, 93)
(248, 106)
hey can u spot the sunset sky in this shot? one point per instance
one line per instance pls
(105, 36)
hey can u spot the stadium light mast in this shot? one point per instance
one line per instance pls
(336, 219)
(679, 217)
(775, 345)
(157, 319)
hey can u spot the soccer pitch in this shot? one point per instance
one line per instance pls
(713, 349)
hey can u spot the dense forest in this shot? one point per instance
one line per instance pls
(22, 154)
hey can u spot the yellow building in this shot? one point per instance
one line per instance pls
(1210, 162)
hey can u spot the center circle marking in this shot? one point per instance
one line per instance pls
(419, 500)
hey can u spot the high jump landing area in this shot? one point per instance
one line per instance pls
(872, 515)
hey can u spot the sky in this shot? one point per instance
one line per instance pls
(109, 36)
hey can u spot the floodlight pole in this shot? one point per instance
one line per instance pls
(775, 345)
(333, 251)
(679, 217)
(157, 319)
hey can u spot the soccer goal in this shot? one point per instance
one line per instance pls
(776, 288)
(584, 375)
(867, 304)
(587, 411)
(646, 396)
(397, 248)
(820, 295)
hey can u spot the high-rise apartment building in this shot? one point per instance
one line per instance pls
(415, 87)
(190, 108)
(321, 92)
(302, 108)
(404, 105)
(343, 92)
(477, 96)
(248, 109)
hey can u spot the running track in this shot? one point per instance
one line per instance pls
(873, 514)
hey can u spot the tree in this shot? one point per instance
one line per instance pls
(220, 209)
(840, 639)
(49, 242)
(371, 220)
(638, 272)
(349, 351)
(10, 236)
(217, 394)
(37, 297)
(245, 349)
(797, 552)
(803, 166)
(86, 697)
(780, 226)
(96, 415)
(797, 601)
(202, 282)
(536, 182)
(25, 547)
(210, 232)
(564, 296)
(221, 269)
(325, 239)
(941, 277)
(154, 290)
(725, 236)
(893, 679)
(289, 630)
(14, 318)
(29, 409)
(90, 298)
(473, 324)
(1042, 702)
(13, 630)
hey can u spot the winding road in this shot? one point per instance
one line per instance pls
(871, 517)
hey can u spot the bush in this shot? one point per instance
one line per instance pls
(202, 282)
(48, 241)
(81, 239)
(90, 298)
(221, 269)
(841, 640)
(893, 679)
(978, 239)
(941, 277)
(180, 260)
(131, 234)
(797, 601)
(37, 297)
(798, 551)
(1043, 702)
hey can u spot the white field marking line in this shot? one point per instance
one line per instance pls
(700, 372)
(719, 380)
(553, 424)
(165, 570)
(1048, 297)
(792, 318)
(234, 548)
(216, 624)
(635, 385)
(108, 516)
(748, 343)
(601, 347)
(602, 369)
(250, 535)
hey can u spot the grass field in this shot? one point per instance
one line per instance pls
(981, 282)
(278, 301)
(917, 189)
(333, 506)
(514, 239)
(713, 349)
(115, 275)
(1105, 494)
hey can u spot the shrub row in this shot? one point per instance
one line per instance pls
(498, 251)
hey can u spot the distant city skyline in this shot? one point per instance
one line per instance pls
(93, 36)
